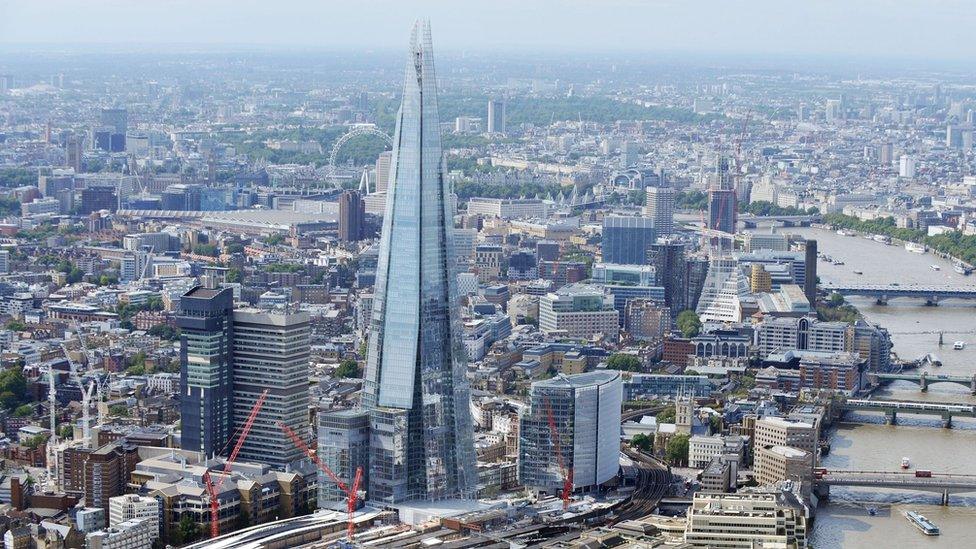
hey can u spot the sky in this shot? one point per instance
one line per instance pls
(937, 29)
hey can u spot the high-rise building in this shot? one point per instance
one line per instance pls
(777, 431)
(886, 153)
(906, 167)
(271, 351)
(722, 214)
(627, 239)
(586, 411)
(810, 276)
(668, 260)
(834, 111)
(382, 171)
(496, 116)
(352, 216)
(344, 447)
(659, 207)
(414, 388)
(116, 119)
(724, 287)
(206, 321)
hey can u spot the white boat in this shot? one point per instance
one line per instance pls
(959, 345)
(915, 247)
(905, 463)
(924, 525)
(881, 238)
(838, 262)
(935, 267)
(961, 269)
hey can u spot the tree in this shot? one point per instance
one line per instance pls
(234, 275)
(13, 388)
(66, 431)
(624, 362)
(688, 323)
(676, 451)
(186, 531)
(529, 319)
(642, 442)
(274, 239)
(164, 331)
(836, 300)
(24, 410)
(347, 368)
(120, 410)
(666, 415)
(16, 326)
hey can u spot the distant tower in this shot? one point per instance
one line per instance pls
(496, 116)
(659, 207)
(382, 177)
(352, 212)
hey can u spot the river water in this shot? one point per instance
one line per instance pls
(914, 327)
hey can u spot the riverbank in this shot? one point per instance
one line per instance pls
(953, 246)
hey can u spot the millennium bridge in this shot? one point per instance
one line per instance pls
(883, 292)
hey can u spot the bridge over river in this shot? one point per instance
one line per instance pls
(924, 379)
(943, 483)
(883, 292)
(891, 409)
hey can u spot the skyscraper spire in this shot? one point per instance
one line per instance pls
(415, 388)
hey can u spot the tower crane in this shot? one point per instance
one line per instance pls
(567, 472)
(352, 492)
(52, 453)
(214, 489)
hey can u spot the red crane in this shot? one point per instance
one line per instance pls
(213, 490)
(352, 492)
(567, 472)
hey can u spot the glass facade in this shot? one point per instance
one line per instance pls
(415, 387)
(205, 321)
(626, 240)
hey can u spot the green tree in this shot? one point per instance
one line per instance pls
(24, 410)
(666, 415)
(643, 442)
(13, 388)
(16, 326)
(66, 431)
(274, 239)
(688, 323)
(347, 368)
(164, 331)
(676, 452)
(234, 275)
(120, 410)
(205, 249)
(624, 362)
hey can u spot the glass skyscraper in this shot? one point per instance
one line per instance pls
(415, 391)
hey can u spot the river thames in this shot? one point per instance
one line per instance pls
(914, 327)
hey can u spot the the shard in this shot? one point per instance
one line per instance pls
(415, 390)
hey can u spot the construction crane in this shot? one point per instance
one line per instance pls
(567, 472)
(352, 492)
(52, 452)
(214, 489)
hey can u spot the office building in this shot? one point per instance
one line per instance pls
(98, 474)
(614, 273)
(4, 261)
(382, 172)
(95, 199)
(344, 448)
(496, 116)
(134, 507)
(74, 153)
(670, 272)
(652, 386)
(759, 279)
(778, 431)
(781, 463)
(133, 265)
(722, 292)
(488, 259)
(115, 119)
(271, 352)
(414, 387)
(746, 520)
(810, 274)
(906, 166)
(626, 240)
(722, 213)
(508, 208)
(833, 111)
(206, 321)
(578, 311)
(585, 409)
(646, 319)
(659, 208)
(352, 216)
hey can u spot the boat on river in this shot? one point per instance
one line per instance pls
(924, 525)
(916, 248)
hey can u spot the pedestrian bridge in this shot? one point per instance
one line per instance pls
(883, 292)
(938, 482)
(752, 221)
(891, 409)
(924, 379)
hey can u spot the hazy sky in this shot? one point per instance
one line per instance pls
(941, 29)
